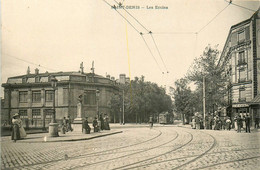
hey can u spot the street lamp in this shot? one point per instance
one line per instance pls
(97, 98)
(53, 126)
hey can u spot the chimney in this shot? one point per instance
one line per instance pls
(36, 71)
(108, 76)
(28, 70)
(122, 78)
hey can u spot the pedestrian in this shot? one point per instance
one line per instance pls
(95, 125)
(256, 123)
(228, 123)
(151, 122)
(224, 124)
(69, 128)
(86, 127)
(244, 122)
(15, 128)
(239, 124)
(247, 121)
(235, 122)
(193, 124)
(197, 120)
(106, 122)
(64, 125)
(101, 119)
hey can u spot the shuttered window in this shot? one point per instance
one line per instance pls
(247, 32)
(234, 39)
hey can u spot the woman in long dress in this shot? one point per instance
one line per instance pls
(15, 128)
(21, 129)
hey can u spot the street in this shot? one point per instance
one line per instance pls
(139, 147)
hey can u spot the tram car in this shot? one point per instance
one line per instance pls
(166, 118)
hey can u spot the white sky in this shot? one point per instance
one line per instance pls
(60, 34)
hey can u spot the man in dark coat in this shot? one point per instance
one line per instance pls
(239, 124)
(95, 125)
(85, 126)
(247, 121)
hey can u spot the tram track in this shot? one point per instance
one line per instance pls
(145, 150)
(201, 155)
(94, 153)
(125, 167)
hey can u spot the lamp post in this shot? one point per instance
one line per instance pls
(97, 98)
(53, 126)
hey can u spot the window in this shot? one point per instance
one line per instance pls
(36, 96)
(242, 95)
(241, 58)
(36, 113)
(24, 80)
(23, 95)
(241, 37)
(234, 39)
(90, 97)
(242, 74)
(49, 95)
(37, 79)
(23, 114)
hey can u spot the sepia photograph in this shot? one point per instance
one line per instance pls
(130, 84)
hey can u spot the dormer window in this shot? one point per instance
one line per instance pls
(24, 80)
(241, 36)
(37, 79)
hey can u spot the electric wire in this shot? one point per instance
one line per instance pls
(134, 17)
(114, 7)
(29, 62)
(159, 52)
(151, 53)
(212, 19)
(174, 33)
(230, 2)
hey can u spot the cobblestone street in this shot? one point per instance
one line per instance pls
(163, 147)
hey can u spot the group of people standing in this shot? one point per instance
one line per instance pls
(66, 125)
(216, 123)
(242, 122)
(98, 124)
(18, 131)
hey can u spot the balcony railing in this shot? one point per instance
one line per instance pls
(241, 62)
(242, 99)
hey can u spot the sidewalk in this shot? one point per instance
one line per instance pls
(68, 137)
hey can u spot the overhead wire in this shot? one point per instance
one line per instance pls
(231, 2)
(212, 19)
(133, 17)
(29, 62)
(114, 7)
(139, 32)
(159, 52)
(151, 53)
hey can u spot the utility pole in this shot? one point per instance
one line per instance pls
(123, 106)
(204, 104)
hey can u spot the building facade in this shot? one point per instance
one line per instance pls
(241, 60)
(32, 96)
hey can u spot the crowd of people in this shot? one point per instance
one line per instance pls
(239, 122)
(98, 124)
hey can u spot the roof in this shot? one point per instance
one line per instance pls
(234, 27)
(56, 74)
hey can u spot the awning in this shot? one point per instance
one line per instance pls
(256, 100)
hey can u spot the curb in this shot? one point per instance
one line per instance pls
(70, 140)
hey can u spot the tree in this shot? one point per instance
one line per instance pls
(142, 100)
(182, 99)
(207, 66)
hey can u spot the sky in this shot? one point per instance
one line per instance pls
(57, 35)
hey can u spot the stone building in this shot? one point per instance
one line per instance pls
(241, 60)
(31, 95)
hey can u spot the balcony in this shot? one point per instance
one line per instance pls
(241, 62)
(241, 80)
(242, 99)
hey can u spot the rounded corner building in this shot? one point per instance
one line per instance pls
(34, 97)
